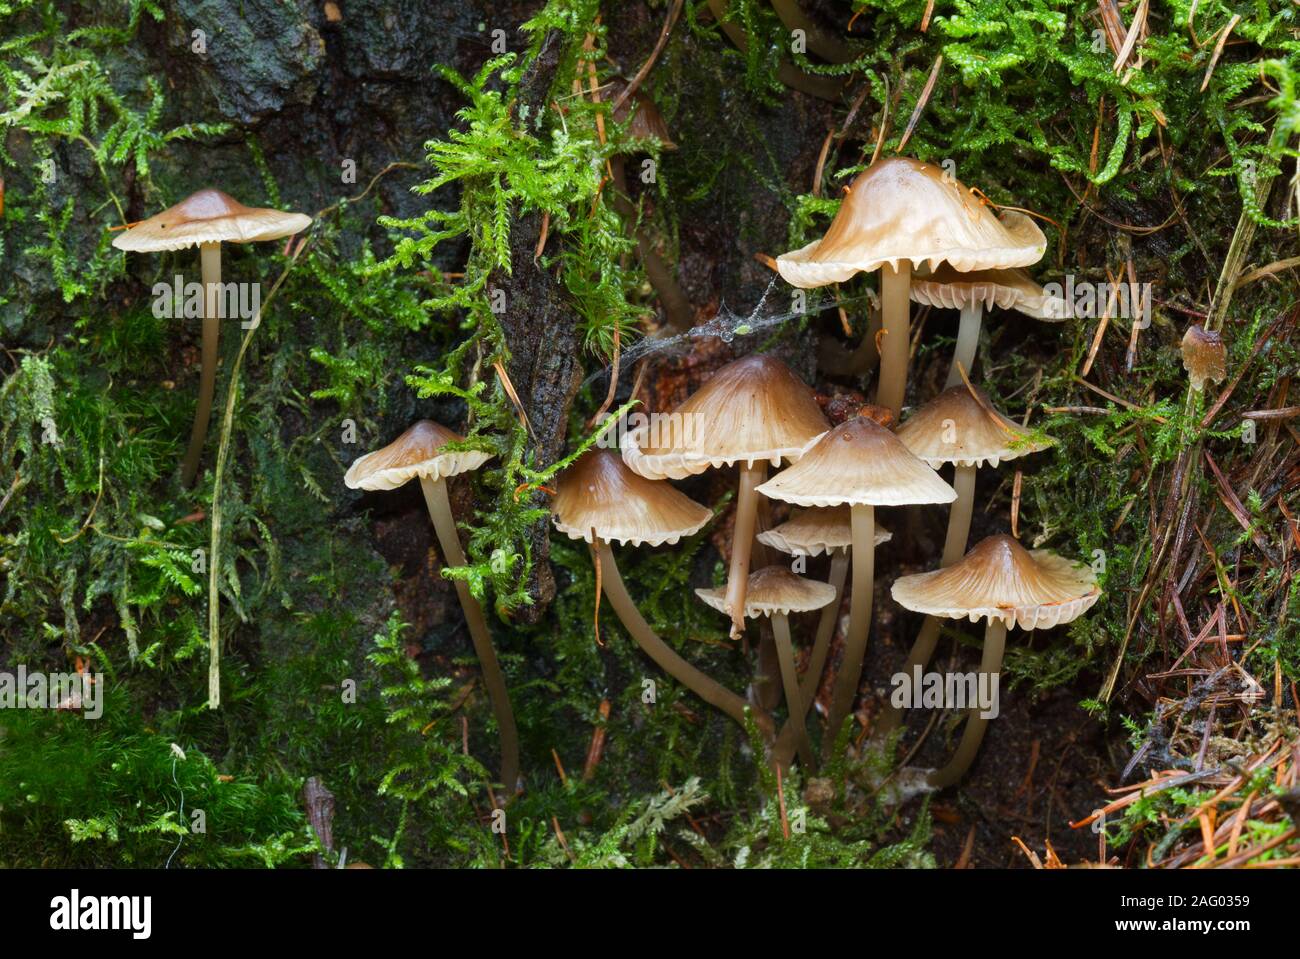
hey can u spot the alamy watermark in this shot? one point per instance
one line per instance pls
(654, 431)
(74, 692)
(1086, 299)
(181, 300)
(921, 690)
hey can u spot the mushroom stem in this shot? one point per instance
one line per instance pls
(896, 342)
(444, 524)
(821, 647)
(832, 358)
(954, 548)
(793, 695)
(677, 308)
(968, 341)
(860, 600)
(995, 640)
(210, 269)
(669, 661)
(742, 541)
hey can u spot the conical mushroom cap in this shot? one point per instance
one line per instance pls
(949, 289)
(598, 493)
(772, 591)
(901, 209)
(414, 453)
(209, 216)
(859, 462)
(1000, 579)
(647, 121)
(1204, 356)
(751, 410)
(817, 530)
(955, 427)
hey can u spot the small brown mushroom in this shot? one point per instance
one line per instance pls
(1204, 356)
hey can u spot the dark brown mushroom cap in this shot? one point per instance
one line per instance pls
(956, 427)
(752, 410)
(949, 289)
(599, 495)
(858, 463)
(901, 209)
(1000, 580)
(772, 591)
(817, 530)
(209, 216)
(417, 452)
(647, 122)
(1204, 356)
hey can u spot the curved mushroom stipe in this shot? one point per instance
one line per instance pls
(823, 43)
(995, 640)
(862, 359)
(968, 341)
(444, 525)
(794, 700)
(824, 88)
(210, 268)
(677, 307)
(860, 602)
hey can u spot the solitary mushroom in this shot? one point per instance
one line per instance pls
(975, 292)
(600, 501)
(754, 412)
(899, 214)
(207, 219)
(1003, 583)
(959, 426)
(775, 591)
(1204, 356)
(419, 452)
(863, 465)
(811, 533)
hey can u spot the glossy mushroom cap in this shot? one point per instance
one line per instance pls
(817, 530)
(955, 427)
(1000, 579)
(600, 495)
(647, 121)
(773, 591)
(949, 289)
(859, 462)
(209, 216)
(902, 209)
(414, 453)
(1204, 356)
(749, 411)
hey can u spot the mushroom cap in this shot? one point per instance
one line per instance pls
(859, 462)
(1204, 356)
(900, 209)
(817, 530)
(414, 453)
(751, 410)
(600, 494)
(209, 216)
(1000, 579)
(950, 289)
(955, 427)
(774, 591)
(647, 121)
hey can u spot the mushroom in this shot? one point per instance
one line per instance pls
(754, 412)
(776, 592)
(813, 532)
(207, 219)
(1003, 583)
(899, 214)
(600, 501)
(419, 452)
(1204, 356)
(975, 292)
(961, 427)
(863, 465)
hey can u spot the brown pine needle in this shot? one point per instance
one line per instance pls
(1218, 50)
(920, 103)
(514, 397)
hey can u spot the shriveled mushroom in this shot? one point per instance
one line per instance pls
(1204, 356)
(753, 412)
(600, 501)
(419, 453)
(973, 293)
(899, 214)
(1001, 582)
(207, 219)
(776, 592)
(862, 465)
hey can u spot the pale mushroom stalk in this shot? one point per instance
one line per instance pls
(860, 601)
(995, 640)
(669, 661)
(444, 524)
(968, 341)
(742, 541)
(895, 285)
(210, 266)
(793, 694)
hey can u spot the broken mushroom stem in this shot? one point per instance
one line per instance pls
(860, 602)
(444, 525)
(742, 541)
(995, 640)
